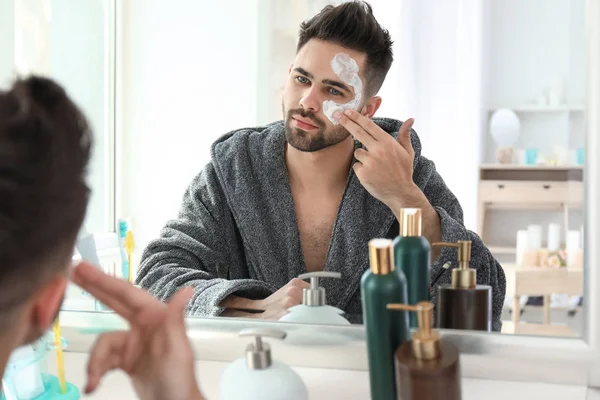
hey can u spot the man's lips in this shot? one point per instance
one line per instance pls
(304, 123)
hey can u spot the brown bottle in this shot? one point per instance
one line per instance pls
(427, 368)
(463, 304)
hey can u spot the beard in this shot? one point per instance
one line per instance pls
(311, 141)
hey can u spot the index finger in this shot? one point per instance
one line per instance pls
(368, 125)
(356, 130)
(118, 294)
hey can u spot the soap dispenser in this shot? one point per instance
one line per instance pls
(257, 376)
(380, 285)
(412, 255)
(314, 309)
(463, 304)
(427, 367)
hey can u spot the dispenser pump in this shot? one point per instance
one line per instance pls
(258, 355)
(463, 277)
(425, 341)
(315, 295)
(411, 222)
(381, 256)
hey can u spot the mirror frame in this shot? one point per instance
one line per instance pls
(572, 361)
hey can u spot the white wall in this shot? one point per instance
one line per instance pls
(188, 75)
(7, 41)
(437, 78)
(536, 44)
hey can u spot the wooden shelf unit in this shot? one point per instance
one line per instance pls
(520, 187)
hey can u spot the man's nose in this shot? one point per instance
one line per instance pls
(311, 100)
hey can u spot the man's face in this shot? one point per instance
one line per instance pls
(311, 82)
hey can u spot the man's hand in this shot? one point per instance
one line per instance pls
(156, 352)
(385, 167)
(385, 170)
(273, 307)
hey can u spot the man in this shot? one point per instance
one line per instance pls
(308, 193)
(44, 152)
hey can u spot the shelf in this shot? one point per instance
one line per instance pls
(532, 167)
(541, 109)
(502, 250)
(556, 207)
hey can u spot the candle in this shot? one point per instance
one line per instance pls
(573, 246)
(553, 237)
(573, 240)
(522, 245)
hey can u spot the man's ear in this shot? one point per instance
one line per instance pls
(290, 68)
(47, 302)
(371, 106)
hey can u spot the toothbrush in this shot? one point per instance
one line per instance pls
(129, 246)
(123, 225)
(60, 363)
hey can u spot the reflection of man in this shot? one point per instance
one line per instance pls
(302, 195)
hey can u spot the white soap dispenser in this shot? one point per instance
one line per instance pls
(314, 309)
(259, 377)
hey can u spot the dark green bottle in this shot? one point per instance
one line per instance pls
(380, 286)
(412, 255)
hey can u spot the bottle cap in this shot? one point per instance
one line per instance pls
(315, 295)
(410, 222)
(258, 355)
(381, 256)
(425, 341)
(463, 277)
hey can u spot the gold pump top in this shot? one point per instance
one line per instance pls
(381, 256)
(425, 341)
(411, 222)
(463, 277)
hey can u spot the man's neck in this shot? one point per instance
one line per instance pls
(324, 170)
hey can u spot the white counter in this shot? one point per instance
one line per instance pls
(326, 384)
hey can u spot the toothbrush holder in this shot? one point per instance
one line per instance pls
(27, 377)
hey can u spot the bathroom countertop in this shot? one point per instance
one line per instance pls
(324, 384)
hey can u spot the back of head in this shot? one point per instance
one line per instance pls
(45, 146)
(353, 25)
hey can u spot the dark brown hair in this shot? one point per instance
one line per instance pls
(353, 25)
(45, 145)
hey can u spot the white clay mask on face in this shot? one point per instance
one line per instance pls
(347, 69)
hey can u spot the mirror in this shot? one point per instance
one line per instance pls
(264, 212)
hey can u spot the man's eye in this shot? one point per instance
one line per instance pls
(335, 92)
(302, 80)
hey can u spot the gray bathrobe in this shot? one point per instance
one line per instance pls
(237, 231)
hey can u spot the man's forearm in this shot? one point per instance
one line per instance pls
(432, 227)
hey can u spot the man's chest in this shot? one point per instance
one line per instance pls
(316, 219)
